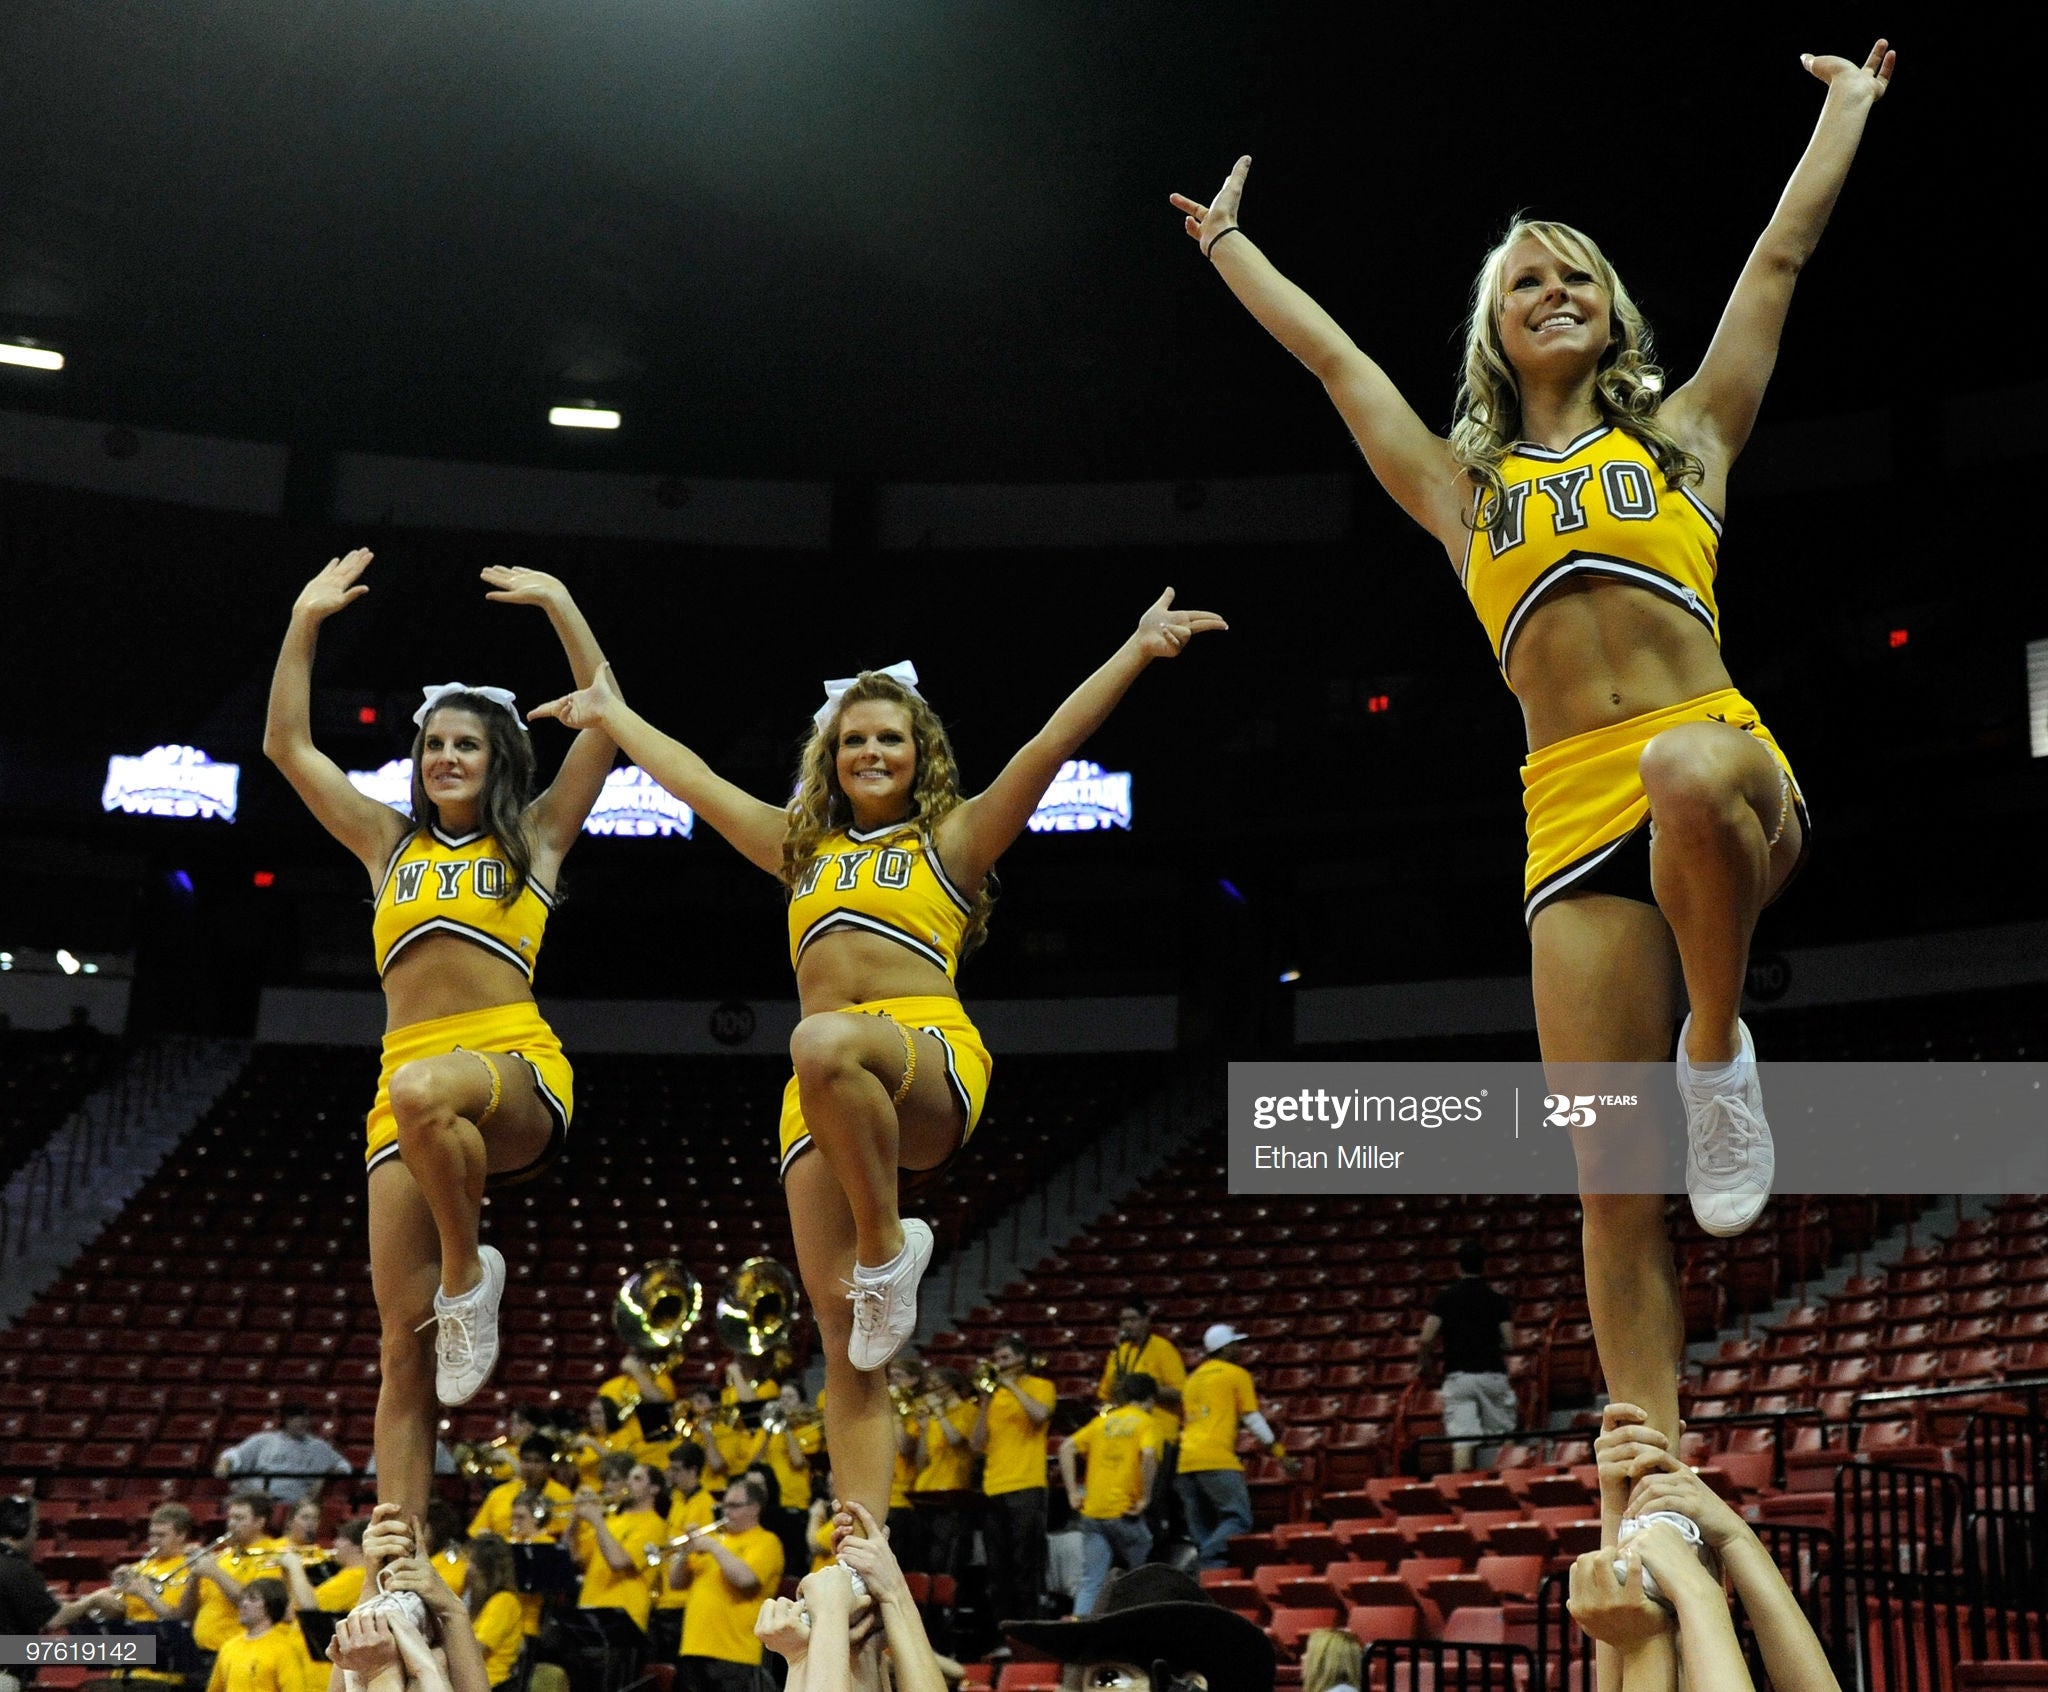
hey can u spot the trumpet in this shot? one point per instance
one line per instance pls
(478, 1462)
(777, 1420)
(905, 1399)
(659, 1554)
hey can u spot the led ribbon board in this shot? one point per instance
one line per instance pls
(2037, 697)
(1084, 796)
(632, 802)
(172, 781)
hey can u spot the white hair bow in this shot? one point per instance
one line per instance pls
(496, 695)
(904, 672)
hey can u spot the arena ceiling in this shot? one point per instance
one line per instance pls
(912, 239)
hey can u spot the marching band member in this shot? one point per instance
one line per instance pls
(266, 1653)
(622, 1524)
(728, 1574)
(535, 1476)
(220, 1576)
(1010, 1428)
(474, 1085)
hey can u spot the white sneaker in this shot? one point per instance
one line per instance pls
(1688, 1529)
(885, 1300)
(408, 1604)
(1729, 1161)
(466, 1348)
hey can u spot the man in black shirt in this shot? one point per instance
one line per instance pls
(1472, 1320)
(27, 1604)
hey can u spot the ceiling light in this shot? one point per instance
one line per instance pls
(29, 357)
(66, 962)
(582, 417)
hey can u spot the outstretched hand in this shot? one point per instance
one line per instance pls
(1205, 223)
(1875, 72)
(586, 707)
(335, 587)
(1163, 631)
(512, 584)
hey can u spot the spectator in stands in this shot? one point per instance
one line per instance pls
(265, 1655)
(1332, 1660)
(27, 1605)
(1156, 1629)
(288, 1461)
(1219, 1399)
(536, 1461)
(491, 1598)
(1010, 1430)
(339, 1592)
(727, 1576)
(1139, 1349)
(624, 1524)
(1472, 1320)
(220, 1576)
(1122, 1448)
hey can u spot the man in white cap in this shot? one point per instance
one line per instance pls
(1218, 1400)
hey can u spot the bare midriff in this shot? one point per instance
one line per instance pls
(446, 975)
(1597, 652)
(848, 967)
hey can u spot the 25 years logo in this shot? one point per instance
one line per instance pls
(1580, 1110)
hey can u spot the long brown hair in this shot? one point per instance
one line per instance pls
(1627, 389)
(491, 1571)
(820, 806)
(508, 783)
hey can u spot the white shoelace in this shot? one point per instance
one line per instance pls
(458, 1348)
(870, 1305)
(1729, 1129)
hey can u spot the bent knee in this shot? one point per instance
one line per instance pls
(828, 1044)
(1693, 776)
(419, 1095)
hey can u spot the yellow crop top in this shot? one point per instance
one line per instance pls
(1600, 507)
(438, 884)
(885, 881)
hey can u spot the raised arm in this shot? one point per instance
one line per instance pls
(1715, 411)
(979, 830)
(1412, 463)
(752, 826)
(366, 828)
(558, 813)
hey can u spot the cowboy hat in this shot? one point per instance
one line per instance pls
(1154, 1612)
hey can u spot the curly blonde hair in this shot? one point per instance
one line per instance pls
(1628, 388)
(820, 806)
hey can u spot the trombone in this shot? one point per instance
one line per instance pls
(258, 1560)
(659, 1554)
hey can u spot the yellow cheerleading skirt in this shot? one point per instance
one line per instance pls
(1583, 796)
(968, 1064)
(515, 1028)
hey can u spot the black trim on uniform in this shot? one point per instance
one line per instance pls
(450, 840)
(931, 856)
(871, 925)
(882, 833)
(448, 925)
(1599, 564)
(1529, 449)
